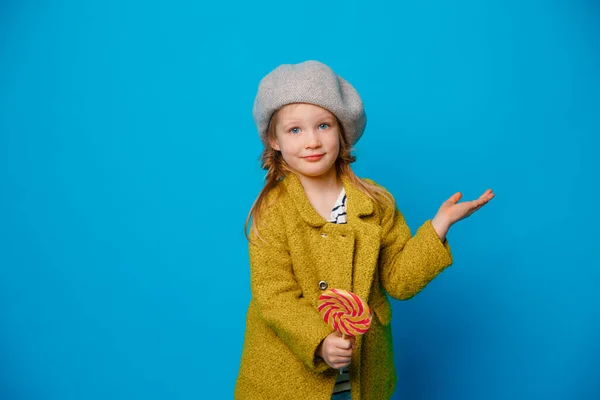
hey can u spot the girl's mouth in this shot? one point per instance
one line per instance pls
(315, 157)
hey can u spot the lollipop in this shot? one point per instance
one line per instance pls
(345, 312)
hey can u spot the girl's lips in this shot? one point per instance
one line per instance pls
(316, 157)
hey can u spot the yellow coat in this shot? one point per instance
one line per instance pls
(371, 255)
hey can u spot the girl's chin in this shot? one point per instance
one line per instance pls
(315, 172)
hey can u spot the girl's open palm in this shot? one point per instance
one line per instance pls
(452, 211)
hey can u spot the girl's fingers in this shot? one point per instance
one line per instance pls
(479, 203)
(343, 345)
(455, 197)
(339, 366)
(487, 197)
(459, 211)
(342, 359)
(342, 353)
(484, 198)
(339, 362)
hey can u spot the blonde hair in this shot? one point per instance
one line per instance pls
(276, 167)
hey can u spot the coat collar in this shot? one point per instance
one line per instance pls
(359, 204)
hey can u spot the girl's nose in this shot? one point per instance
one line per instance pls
(312, 140)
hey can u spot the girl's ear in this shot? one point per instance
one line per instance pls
(274, 144)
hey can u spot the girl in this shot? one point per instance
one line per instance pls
(316, 225)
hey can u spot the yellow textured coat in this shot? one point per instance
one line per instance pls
(371, 255)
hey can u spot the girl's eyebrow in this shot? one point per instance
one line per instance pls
(289, 124)
(329, 119)
(323, 115)
(295, 121)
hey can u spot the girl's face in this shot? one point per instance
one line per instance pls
(308, 138)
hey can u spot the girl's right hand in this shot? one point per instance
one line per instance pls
(335, 351)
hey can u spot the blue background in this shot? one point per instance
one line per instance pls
(129, 160)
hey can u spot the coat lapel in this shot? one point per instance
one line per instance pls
(294, 188)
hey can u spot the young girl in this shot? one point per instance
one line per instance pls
(315, 226)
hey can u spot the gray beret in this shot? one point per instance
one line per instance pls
(309, 82)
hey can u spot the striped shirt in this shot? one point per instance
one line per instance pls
(338, 213)
(338, 216)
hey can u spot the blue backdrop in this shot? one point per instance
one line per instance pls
(129, 159)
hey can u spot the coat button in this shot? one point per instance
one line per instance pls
(322, 285)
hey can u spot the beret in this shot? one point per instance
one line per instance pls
(309, 82)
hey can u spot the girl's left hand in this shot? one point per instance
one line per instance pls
(451, 211)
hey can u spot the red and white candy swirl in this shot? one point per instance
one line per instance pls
(345, 312)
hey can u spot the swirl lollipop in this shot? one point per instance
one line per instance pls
(345, 312)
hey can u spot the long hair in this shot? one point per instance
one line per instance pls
(276, 167)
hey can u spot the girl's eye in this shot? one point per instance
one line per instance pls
(295, 130)
(323, 126)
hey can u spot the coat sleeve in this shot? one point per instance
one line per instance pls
(408, 263)
(278, 296)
